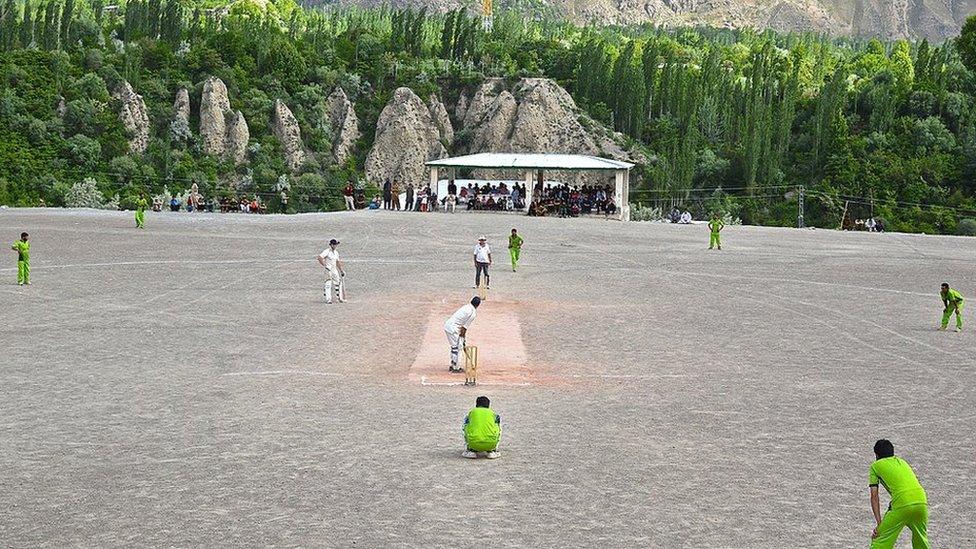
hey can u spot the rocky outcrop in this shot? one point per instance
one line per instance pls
(224, 132)
(536, 115)
(439, 113)
(344, 124)
(238, 135)
(406, 137)
(179, 127)
(461, 108)
(286, 129)
(214, 105)
(134, 117)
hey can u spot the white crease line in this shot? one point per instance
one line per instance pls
(425, 383)
(217, 262)
(281, 372)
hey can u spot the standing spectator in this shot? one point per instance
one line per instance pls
(452, 188)
(22, 247)
(284, 201)
(409, 202)
(482, 260)
(387, 194)
(347, 194)
(396, 195)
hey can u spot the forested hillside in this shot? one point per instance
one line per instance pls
(757, 115)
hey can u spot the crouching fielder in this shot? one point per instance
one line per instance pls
(334, 272)
(456, 328)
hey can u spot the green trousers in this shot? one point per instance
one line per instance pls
(915, 517)
(140, 219)
(715, 240)
(514, 252)
(946, 314)
(23, 272)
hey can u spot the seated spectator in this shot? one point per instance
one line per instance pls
(490, 203)
(244, 205)
(174, 204)
(450, 202)
(685, 217)
(612, 208)
(255, 206)
(157, 204)
(374, 204)
(212, 205)
(675, 215)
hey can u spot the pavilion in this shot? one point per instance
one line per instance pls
(533, 165)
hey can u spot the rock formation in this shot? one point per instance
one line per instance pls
(214, 104)
(439, 112)
(286, 129)
(179, 127)
(134, 116)
(537, 115)
(406, 137)
(344, 124)
(224, 132)
(238, 134)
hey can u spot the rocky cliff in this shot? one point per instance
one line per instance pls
(214, 104)
(286, 129)
(344, 125)
(179, 127)
(934, 19)
(134, 116)
(406, 137)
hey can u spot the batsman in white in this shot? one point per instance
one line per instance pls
(329, 258)
(456, 328)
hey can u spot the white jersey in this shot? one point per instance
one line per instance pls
(481, 253)
(331, 257)
(462, 317)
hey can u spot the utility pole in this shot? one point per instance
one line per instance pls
(799, 207)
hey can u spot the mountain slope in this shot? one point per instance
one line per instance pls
(932, 19)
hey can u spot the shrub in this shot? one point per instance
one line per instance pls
(966, 227)
(84, 194)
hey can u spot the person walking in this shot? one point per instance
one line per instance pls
(329, 258)
(482, 260)
(482, 430)
(909, 504)
(284, 201)
(348, 193)
(141, 206)
(953, 302)
(387, 194)
(22, 247)
(514, 248)
(408, 206)
(456, 327)
(715, 226)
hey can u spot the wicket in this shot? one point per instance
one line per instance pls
(470, 365)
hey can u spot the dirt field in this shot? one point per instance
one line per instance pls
(187, 385)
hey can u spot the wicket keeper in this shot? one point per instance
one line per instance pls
(482, 430)
(715, 226)
(456, 328)
(329, 258)
(908, 507)
(514, 248)
(22, 247)
(952, 300)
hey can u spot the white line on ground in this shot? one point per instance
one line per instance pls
(282, 372)
(215, 262)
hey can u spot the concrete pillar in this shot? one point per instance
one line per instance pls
(433, 179)
(528, 189)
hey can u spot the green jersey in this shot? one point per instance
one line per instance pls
(23, 250)
(899, 480)
(716, 225)
(515, 242)
(141, 205)
(482, 429)
(952, 296)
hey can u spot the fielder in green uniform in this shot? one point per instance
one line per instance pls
(482, 430)
(909, 506)
(715, 226)
(22, 247)
(952, 300)
(141, 206)
(514, 248)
